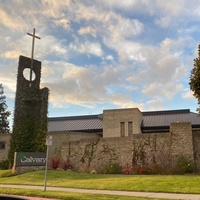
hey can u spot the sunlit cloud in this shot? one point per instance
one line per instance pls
(123, 53)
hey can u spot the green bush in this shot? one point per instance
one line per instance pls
(4, 164)
(113, 168)
(185, 166)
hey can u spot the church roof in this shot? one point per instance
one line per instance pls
(151, 121)
(88, 123)
(155, 120)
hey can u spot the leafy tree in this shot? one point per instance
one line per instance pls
(4, 114)
(195, 78)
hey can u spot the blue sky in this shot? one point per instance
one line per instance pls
(104, 54)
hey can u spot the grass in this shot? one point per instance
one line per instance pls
(68, 196)
(148, 183)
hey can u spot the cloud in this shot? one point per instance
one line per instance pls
(188, 95)
(123, 102)
(8, 75)
(154, 104)
(144, 49)
(87, 48)
(13, 54)
(73, 84)
(115, 31)
(161, 90)
(9, 21)
(160, 71)
(65, 23)
(164, 15)
(87, 30)
(157, 77)
(55, 9)
(128, 4)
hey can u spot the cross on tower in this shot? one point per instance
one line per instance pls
(32, 53)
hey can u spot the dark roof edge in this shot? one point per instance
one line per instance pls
(166, 112)
(75, 117)
(154, 127)
(195, 125)
(99, 131)
(144, 128)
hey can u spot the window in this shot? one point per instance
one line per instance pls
(2, 145)
(130, 128)
(122, 129)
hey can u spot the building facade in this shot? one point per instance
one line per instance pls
(124, 136)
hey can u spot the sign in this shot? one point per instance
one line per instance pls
(30, 159)
(49, 139)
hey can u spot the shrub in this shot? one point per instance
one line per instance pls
(65, 165)
(127, 169)
(185, 166)
(4, 164)
(152, 169)
(136, 169)
(93, 171)
(54, 163)
(145, 170)
(113, 168)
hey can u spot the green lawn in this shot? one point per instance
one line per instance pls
(148, 183)
(69, 196)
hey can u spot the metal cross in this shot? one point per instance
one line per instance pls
(32, 53)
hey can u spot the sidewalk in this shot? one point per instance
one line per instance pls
(111, 192)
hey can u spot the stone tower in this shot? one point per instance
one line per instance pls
(31, 107)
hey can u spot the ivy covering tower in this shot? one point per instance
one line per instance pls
(30, 114)
(31, 107)
(195, 78)
(4, 113)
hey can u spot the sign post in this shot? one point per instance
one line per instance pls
(48, 143)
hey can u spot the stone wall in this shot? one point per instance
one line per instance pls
(196, 144)
(142, 149)
(4, 152)
(87, 151)
(137, 149)
(116, 120)
(61, 142)
(181, 140)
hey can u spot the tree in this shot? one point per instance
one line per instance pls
(195, 78)
(4, 114)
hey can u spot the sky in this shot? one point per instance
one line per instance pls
(103, 54)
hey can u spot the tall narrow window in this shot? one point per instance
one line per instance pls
(122, 129)
(130, 128)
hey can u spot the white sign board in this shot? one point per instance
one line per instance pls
(49, 140)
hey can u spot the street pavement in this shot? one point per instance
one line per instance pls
(108, 192)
